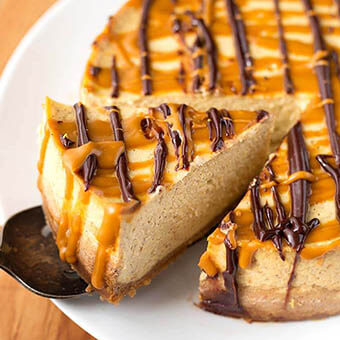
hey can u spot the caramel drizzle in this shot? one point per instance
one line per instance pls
(122, 169)
(245, 61)
(152, 130)
(89, 167)
(288, 84)
(216, 121)
(115, 79)
(210, 47)
(143, 46)
(323, 72)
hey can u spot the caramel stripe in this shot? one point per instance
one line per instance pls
(115, 79)
(216, 121)
(143, 46)
(245, 61)
(89, 167)
(211, 50)
(122, 169)
(323, 73)
(152, 130)
(288, 84)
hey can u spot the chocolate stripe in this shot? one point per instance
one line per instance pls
(245, 61)
(198, 64)
(95, 70)
(66, 142)
(294, 229)
(288, 84)
(174, 135)
(186, 157)
(280, 211)
(227, 302)
(216, 121)
(152, 130)
(122, 169)
(90, 165)
(211, 49)
(337, 4)
(232, 305)
(323, 73)
(144, 50)
(115, 79)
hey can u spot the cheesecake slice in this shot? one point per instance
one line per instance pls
(276, 255)
(126, 189)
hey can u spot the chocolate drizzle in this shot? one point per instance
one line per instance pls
(323, 72)
(143, 46)
(232, 303)
(115, 79)
(198, 64)
(186, 154)
(122, 169)
(294, 229)
(152, 130)
(337, 4)
(216, 121)
(66, 142)
(95, 70)
(288, 84)
(210, 47)
(90, 165)
(335, 60)
(245, 61)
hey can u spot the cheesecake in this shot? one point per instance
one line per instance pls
(276, 255)
(126, 189)
(172, 128)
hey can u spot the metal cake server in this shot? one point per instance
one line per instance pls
(29, 254)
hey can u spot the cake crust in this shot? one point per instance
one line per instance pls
(314, 294)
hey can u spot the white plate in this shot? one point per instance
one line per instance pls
(50, 61)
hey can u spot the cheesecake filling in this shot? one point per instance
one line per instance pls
(124, 159)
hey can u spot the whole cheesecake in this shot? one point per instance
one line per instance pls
(125, 190)
(275, 256)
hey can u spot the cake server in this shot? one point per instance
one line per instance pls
(29, 254)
